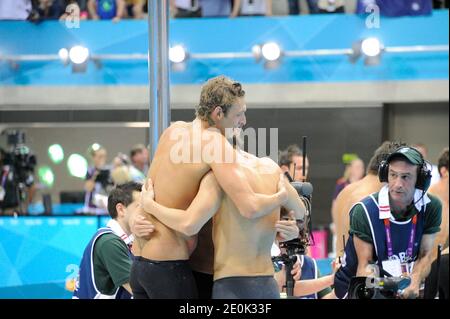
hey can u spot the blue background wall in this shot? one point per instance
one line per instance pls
(38, 254)
(336, 31)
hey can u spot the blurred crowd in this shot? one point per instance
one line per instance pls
(115, 10)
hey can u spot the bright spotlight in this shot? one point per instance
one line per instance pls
(95, 147)
(271, 51)
(78, 54)
(177, 54)
(371, 47)
(56, 153)
(256, 51)
(63, 54)
(46, 176)
(77, 166)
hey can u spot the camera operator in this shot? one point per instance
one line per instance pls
(291, 161)
(394, 228)
(16, 174)
(354, 192)
(304, 281)
(309, 283)
(98, 181)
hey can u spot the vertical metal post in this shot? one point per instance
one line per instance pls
(158, 67)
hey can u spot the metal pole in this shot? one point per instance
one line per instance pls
(158, 67)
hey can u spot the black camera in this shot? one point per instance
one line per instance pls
(103, 177)
(377, 288)
(298, 245)
(19, 157)
(18, 163)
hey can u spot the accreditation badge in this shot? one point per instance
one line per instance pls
(407, 268)
(393, 267)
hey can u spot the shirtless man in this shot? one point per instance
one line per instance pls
(354, 192)
(185, 153)
(440, 189)
(242, 247)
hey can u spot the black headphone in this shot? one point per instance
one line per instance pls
(423, 173)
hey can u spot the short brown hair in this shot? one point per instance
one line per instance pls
(122, 194)
(219, 91)
(285, 156)
(138, 148)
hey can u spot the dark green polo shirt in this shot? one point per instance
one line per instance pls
(112, 264)
(359, 225)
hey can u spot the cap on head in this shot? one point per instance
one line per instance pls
(412, 155)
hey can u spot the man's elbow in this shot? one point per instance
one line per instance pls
(248, 211)
(189, 229)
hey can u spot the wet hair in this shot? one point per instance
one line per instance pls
(219, 91)
(122, 194)
(381, 154)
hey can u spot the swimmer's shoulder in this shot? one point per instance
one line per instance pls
(180, 124)
(267, 162)
(176, 127)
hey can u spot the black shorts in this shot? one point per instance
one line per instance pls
(259, 287)
(172, 279)
(204, 284)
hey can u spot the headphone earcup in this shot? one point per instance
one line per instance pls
(383, 172)
(423, 178)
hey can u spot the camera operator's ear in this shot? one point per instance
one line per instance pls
(120, 209)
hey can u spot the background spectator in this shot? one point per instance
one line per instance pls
(252, 8)
(397, 8)
(354, 171)
(185, 8)
(331, 6)
(216, 8)
(51, 9)
(15, 9)
(98, 180)
(106, 9)
(294, 6)
(135, 8)
(75, 9)
(423, 149)
(140, 161)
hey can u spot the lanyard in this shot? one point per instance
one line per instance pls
(387, 227)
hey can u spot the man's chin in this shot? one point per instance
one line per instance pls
(397, 199)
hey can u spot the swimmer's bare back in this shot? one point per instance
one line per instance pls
(176, 183)
(242, 245)
(348, 197)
